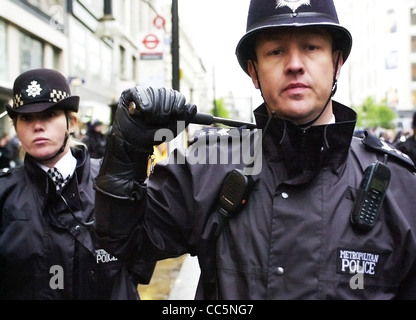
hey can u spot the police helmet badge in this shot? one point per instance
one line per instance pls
(292, 4)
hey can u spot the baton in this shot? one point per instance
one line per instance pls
(205, 119)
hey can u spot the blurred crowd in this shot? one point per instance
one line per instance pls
(403, 140)
(9, 151)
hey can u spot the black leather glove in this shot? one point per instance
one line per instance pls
(131, 138)
(154, 109)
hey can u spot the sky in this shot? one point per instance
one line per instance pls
(216, 26)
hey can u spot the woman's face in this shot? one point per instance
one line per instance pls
(43, 134)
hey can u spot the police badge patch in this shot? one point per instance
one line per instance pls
(351, 261)
(292, 4)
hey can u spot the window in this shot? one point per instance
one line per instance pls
(135, 69)
(31, 53)
(79, 43)
(94, 55)
(414, 99)
(122, 62)
(96, 7)
(413, 44)
(3, 51)
(57, 56)
(413, 71)
(413, 16)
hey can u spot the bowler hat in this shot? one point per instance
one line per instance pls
(266, 14)
(40, 89)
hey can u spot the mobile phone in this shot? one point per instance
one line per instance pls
(370, 196)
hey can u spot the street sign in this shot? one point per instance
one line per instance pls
(151, 41)
(151, 46)
(159, 22)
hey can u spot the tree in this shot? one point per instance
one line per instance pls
(219, 109)
(373, 115)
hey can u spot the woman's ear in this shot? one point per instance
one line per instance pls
(73, 123)
(253, 73)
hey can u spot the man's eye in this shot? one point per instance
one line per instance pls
(275, 52)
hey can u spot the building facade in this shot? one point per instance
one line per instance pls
(102, 46)
(383, 59)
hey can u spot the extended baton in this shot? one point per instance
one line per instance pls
(205, 119)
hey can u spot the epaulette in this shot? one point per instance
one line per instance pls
(4, 172)
(212, 132)
(372, 142)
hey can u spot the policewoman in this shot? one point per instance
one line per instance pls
(47, 246)
(305, 226)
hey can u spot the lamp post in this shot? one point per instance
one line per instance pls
(175, 46)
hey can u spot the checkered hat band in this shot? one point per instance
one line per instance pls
(55, 96)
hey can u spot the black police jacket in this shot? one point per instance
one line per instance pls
(47, 246)
(293, 237)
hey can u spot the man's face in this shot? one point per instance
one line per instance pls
(295, 69)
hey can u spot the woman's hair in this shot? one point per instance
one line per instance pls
(72, 141)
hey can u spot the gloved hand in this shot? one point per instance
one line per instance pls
(131, 138)
(154, 109)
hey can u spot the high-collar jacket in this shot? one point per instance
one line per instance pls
(292, 237)
(48, 249)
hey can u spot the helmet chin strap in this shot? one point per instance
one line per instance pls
(333, 91)
(67, 134)
(308, 124)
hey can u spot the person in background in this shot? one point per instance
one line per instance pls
(48, 250)
(16, 147)
(6, 152)
(272, 213)
(408, 146)
(95, 139)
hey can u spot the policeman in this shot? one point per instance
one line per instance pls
(272, 213)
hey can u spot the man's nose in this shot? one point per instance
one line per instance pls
(294, 61)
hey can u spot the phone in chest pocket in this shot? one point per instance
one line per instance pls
(370, 196)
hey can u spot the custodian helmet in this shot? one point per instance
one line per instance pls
(266, 14)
